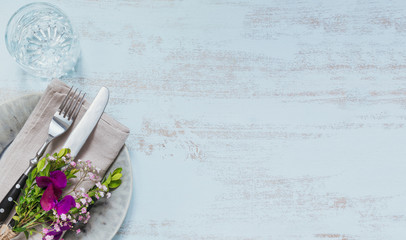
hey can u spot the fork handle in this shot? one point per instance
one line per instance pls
(8, 201)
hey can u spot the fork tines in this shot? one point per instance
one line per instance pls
(71, 104)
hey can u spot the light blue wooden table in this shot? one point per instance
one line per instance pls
(249, 119)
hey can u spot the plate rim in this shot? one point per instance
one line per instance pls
(127, 153)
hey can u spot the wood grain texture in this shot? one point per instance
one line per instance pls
(249, 119)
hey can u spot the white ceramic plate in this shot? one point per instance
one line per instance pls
(107, 214)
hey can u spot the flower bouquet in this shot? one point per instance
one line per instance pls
(45, 208)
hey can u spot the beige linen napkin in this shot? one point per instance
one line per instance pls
(102, 146)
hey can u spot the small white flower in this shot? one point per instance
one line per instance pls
(63, 217)
(99, 185)
(108, 195)
(49, 237)
(104, 188)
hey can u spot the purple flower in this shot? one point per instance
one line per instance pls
(57, 178)
(54, 185)
(65, 205)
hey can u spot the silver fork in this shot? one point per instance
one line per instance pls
(60, 123)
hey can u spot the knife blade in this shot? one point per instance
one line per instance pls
(88, 122)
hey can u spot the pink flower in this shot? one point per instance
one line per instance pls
(73, 164)
(45, 230)
(92, 176)
(77, 205)
(63, 217)
(83, 210)
(78, 231)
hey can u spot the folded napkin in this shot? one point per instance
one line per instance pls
(102, 146)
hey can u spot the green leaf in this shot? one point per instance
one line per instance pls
(26, 234)
(17, 218)
(70, 176)
(41, 164)
(108, 180)
(36, 190)
(28, 183)
(46, 170)
(33, 174)
(19, 229)
(115, 184)
(117, 170)
(63, 152)
(116, 176)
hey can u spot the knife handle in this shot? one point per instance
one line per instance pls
(8, 201)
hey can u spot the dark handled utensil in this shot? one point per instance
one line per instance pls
(60, 123)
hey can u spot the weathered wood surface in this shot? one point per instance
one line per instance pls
(249, 119)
